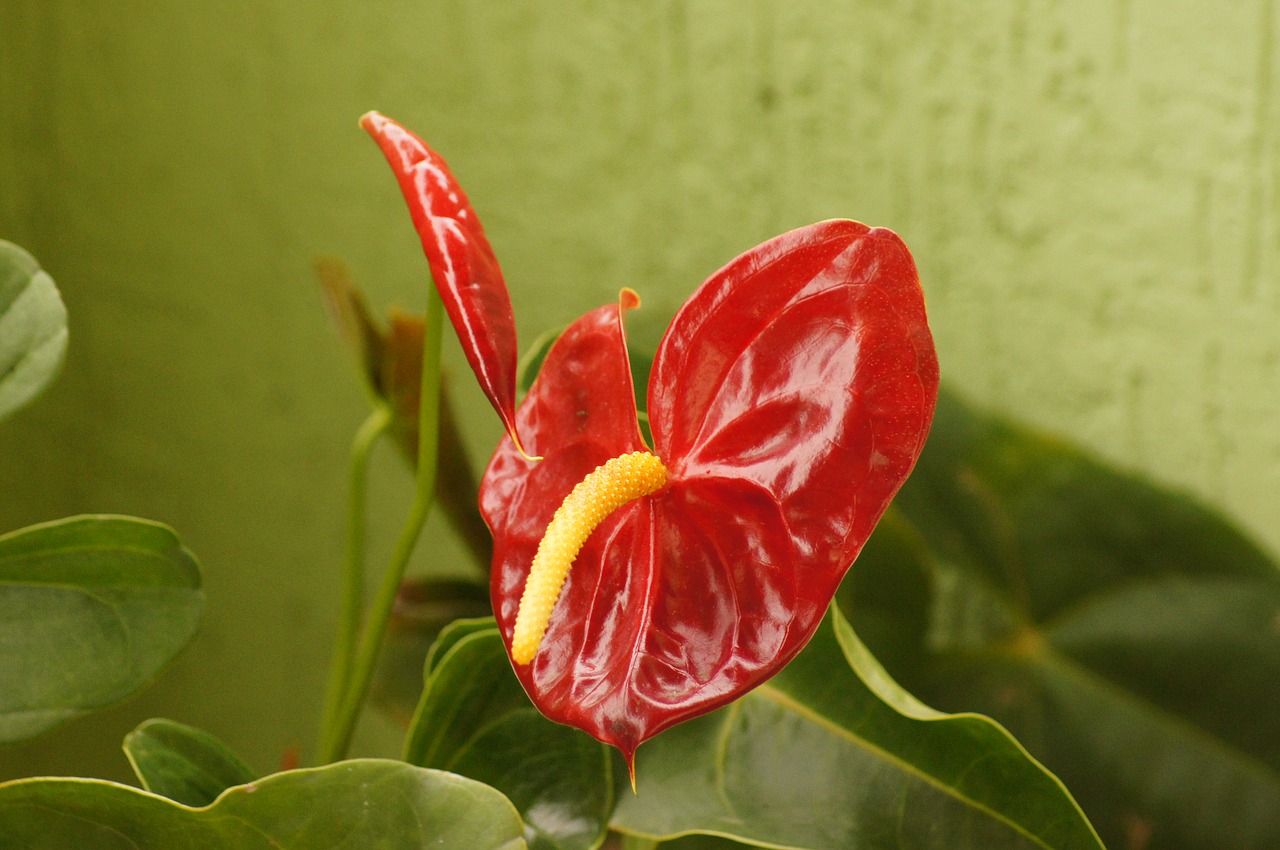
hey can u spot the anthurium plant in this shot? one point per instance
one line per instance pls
(697, 596)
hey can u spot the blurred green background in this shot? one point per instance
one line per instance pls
(1090, 190)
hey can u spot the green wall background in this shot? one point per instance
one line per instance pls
(1090, 189)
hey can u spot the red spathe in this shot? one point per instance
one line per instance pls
(789, 400)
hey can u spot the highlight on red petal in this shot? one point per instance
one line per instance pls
(817, 337)
(788, 401)
(462, 262)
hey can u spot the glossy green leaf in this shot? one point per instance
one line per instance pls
(559, 778)
(1127, 636)
(185, 764)
(450, 636)
(358, 804)
(33, 328)
(475, 720)
(468, 685)
(93, 608)
(832, 754)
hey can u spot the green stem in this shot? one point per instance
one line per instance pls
(375, 626)
(458, 491)
(377, 423)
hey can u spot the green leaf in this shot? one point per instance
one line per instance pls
(357, 804)
(699, 842)
(468, 685)
(450, 636)
(1129, 637)
(559, 778)
(33, 328)
(831, 753)
(475, 720)
(185, 764)
(93, 608)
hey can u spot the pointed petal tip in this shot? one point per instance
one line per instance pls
(628, 298)
(631, 769)
(371, 119)
(515, 438)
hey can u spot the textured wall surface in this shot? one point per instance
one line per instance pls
(1091, 191)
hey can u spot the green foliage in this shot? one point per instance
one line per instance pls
(1127, 636)
(364, 803)
(831, 753)
(185, 764)
(474, 719)
(33, 328)
(94, 608)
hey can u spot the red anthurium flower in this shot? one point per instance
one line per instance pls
(788, 401)
(465, 270)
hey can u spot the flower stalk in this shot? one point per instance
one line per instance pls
(367, 436)
(370, 645)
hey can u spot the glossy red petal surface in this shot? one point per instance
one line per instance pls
(579, 413)
(462, 263)
(799, 380)
(789, 400)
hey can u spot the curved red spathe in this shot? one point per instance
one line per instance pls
(789, 400)
(463, 265)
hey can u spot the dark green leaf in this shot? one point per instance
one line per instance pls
(33, 328)
(468, 686)
(452, 635)
(93, 608)
(700, 842)
(185, 764)
(357, 804)
(475, 720)
(832, 754)
(559, 778)
(1127, 636)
